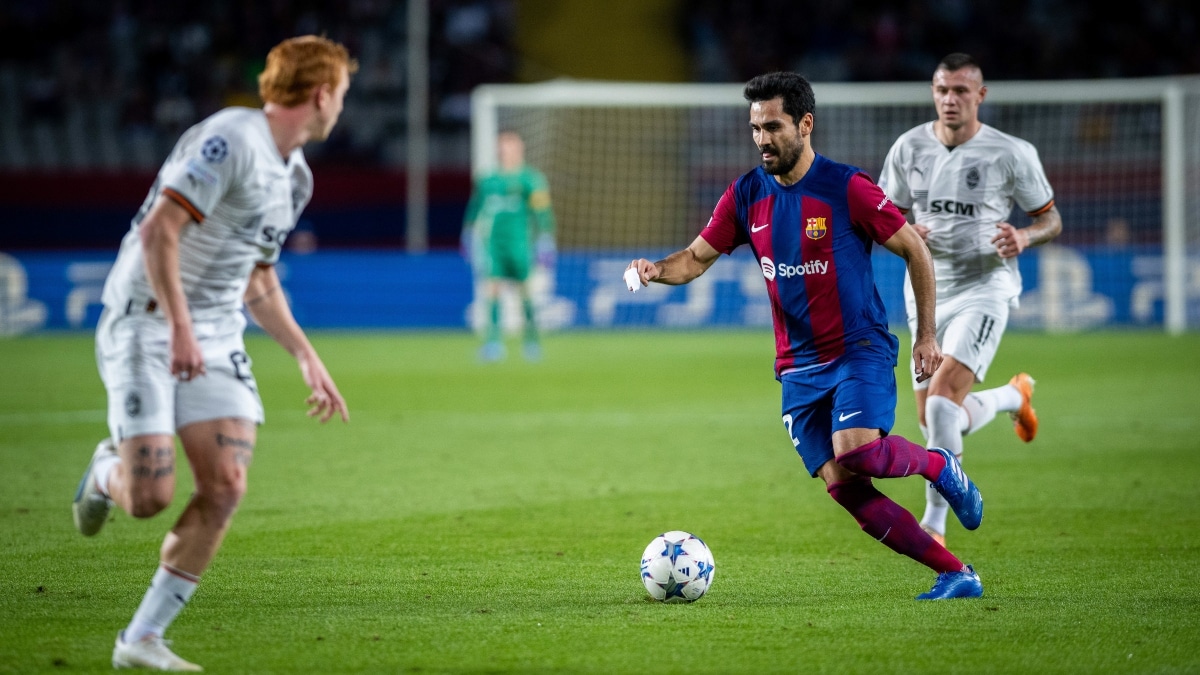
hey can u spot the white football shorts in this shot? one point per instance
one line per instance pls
(969, 327)
(133, 357)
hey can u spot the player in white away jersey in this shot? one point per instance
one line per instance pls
(957, 180)
(169, 344)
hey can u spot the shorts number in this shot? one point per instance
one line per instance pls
(241, 369)
(787, 422)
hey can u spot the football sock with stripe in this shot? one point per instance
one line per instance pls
(890, 524)
(169, 591)
(893, 457)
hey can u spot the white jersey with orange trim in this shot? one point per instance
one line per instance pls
(960, 194)
(245, 198)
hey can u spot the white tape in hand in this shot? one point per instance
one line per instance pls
(632, 280)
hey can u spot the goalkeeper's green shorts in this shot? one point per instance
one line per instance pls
(509, 264)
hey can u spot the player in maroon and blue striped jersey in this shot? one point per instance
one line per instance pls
(812, 223)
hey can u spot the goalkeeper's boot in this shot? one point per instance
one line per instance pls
(532, 351)
(1025, 421)
(962, 584)
(150, 652)
(959, 491)
(90, 507)
(492, 352)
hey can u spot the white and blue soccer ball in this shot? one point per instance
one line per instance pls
(677, 567)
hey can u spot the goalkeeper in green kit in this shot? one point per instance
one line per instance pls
(499, 241)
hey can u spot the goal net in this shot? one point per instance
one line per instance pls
(635, 170)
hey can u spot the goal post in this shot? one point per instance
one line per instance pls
(636, 168)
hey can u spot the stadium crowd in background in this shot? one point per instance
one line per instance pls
(840, 40)
(156, 68)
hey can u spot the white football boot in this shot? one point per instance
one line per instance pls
(90, 507)
(149, 652)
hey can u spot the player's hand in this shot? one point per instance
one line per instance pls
(325, 400)
(647, 271)
(1009, 241)
(187, 359)
(921, 230)
(927, 357)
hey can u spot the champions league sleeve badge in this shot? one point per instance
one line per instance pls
(215, 149)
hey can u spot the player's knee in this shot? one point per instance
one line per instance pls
(149, 503)
(862, 460)
(941, 413)
(223, 493)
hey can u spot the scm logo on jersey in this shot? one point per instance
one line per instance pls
(815, 227)
(952, 207)
(783, 270)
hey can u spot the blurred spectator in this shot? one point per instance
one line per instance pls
(1117, 232)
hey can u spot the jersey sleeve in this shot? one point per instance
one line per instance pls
(1031, 188)
(722, 231)
(892, 178)
(871, 210)
(202, 167)
(539, 202)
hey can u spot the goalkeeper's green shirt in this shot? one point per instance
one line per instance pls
(502, 207)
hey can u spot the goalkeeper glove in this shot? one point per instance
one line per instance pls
(545, 250)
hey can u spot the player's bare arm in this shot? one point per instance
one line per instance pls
(160, 231)
(680, 267)
(1011, 242)
(269, 308)
(908, 244)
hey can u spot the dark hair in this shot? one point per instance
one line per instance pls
(958, 61)
(796, 92)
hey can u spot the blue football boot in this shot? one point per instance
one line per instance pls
(962, 584)
(959, 491)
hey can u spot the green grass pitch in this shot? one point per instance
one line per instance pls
(490, 519)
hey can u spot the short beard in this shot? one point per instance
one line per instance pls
(783, 163)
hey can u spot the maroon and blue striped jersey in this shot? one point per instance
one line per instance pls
(813, 241)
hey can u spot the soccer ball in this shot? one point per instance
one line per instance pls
(677, 567)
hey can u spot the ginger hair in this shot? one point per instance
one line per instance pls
(297, 66)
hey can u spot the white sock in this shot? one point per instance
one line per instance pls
(936, 510)
(101, 471)
(1005, 398)
(945, 431)
(169, 591)
(978, 409)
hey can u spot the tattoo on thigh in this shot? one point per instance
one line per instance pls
(243, 449)
(153, 462)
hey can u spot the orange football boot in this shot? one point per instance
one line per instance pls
(1025, 421)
